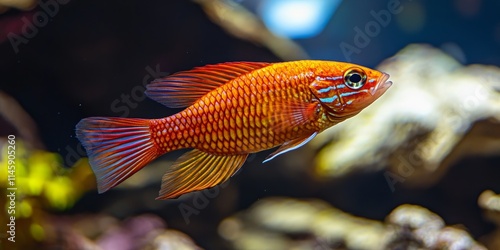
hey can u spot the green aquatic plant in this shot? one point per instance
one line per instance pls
(36, 183)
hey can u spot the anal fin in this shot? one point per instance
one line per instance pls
(290, 145)
(197, 170)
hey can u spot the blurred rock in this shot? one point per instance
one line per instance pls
(432, 116)
(99, 231)
(419, 226)
(18, 4)
(489, 201)
(131, 234)
(284, 223)
(171, 240)
(14, 115)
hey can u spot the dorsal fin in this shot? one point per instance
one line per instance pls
(182, 89)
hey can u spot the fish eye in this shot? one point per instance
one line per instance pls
(355, 78)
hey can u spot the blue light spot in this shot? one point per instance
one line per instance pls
(297, 18)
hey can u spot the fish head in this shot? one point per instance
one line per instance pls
(345, 89)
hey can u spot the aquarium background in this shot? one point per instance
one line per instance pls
(92, 58)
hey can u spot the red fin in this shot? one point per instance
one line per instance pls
(197, 170)
(293, 114)
(184, 88)
(290, 145)
(117, 147)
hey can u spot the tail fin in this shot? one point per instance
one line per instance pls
(117, 147)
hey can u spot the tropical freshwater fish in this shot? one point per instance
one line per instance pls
(231, 110)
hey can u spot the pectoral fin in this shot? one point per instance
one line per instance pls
(197, 170)
(289, 114)
(290, 145)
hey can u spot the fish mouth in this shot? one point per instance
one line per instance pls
(382, 85)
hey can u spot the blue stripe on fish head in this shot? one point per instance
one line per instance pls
(327, 91)
(334, 96)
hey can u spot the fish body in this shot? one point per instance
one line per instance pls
(231, 110)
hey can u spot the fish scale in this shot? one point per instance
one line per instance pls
(236, 132)
(231, 110)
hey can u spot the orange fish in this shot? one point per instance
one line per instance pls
(231, 110)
